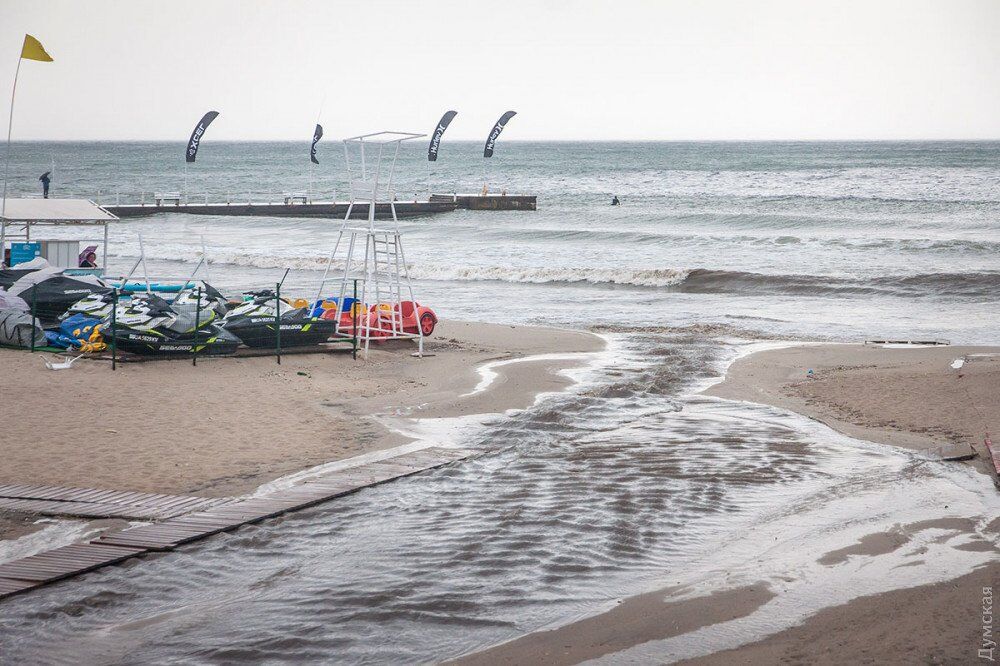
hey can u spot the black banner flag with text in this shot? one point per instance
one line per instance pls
(199, 131)
(317, 135)
(492, 138)
(432, 149)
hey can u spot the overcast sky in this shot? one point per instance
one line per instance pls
(656, 69)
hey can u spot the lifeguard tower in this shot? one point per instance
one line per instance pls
(385, 292)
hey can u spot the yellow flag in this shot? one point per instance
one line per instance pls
(33, 50)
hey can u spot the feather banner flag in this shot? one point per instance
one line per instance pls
(432, 149)
(317, 135)
(32, 49)
(199, 131)
(492, 138)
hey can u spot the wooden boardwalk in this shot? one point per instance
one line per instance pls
(97, 503)
(192, 520)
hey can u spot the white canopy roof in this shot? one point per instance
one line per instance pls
(385, 137)
(54, 210)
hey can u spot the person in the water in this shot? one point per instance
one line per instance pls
(45, 184)
(615, 201)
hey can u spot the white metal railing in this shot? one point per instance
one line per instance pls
(148, 198)
(166, 199)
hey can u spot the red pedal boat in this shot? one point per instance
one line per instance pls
(382, 319)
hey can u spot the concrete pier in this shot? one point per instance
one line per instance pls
(331, 209)
(490, 201)
(438, 203)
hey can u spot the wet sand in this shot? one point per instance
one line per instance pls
(646, 617)
(14, 524)
(904, 397)
(907, 397)
(930, 624)
(229, 425)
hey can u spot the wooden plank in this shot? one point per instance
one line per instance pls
(102, 496)
(385, 467)
(66, 561)
(9, 586)
(993, 452)
(97, 503)
(213, 515)
(145, 543)
(85, 509)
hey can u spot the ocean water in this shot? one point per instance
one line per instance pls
(847, 240)
(630, 480)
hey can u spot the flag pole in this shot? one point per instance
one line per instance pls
(10, 127)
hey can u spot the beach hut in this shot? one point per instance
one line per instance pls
(19, 235)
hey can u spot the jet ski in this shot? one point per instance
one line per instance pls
(253, 322)
(213, 303)
(53, 292)
(148, 325)
(97, 305)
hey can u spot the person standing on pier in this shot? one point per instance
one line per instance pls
(45, 184)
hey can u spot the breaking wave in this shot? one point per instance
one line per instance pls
(708, 281)
(684, 280)
(663, 277)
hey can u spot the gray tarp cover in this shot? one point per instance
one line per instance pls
(16, 329)
(11, 302)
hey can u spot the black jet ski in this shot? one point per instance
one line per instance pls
(147, 325)
(254, 323)
(54, 292)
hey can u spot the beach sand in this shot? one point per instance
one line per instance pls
(636, 620)
(908, 397)
(930, 624)
(228, 425)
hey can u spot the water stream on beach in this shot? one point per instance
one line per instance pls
(625, 483)
(630, 480)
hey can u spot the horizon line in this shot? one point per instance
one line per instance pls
(477, 141)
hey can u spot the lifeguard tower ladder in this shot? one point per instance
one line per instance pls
(380, 270)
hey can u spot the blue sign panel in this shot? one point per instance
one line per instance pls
(22, 252)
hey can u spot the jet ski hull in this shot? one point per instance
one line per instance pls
(208, 342)
(260, 332)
